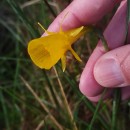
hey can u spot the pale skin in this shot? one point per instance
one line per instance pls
(111, 69)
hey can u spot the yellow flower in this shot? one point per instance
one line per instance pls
(46, 51)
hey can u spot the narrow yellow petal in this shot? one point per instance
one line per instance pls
(63, 62)
(50, 33)
(75, 54)
(76, 33)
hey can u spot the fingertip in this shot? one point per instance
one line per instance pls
(102, 96)
(107, 72)
(113, 68)
(88, 86)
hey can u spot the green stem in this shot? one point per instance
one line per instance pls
(96, 110)
(115, 108)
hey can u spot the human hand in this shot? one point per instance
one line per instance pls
(100, 68)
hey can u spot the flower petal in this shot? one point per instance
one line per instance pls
(75, 54)
(76, 33)
(46, 51)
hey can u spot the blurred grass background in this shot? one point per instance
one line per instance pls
(35, 99)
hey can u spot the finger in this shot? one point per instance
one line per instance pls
(83, 12)
(104, 96)
(115, 37)
(88, 85)
(113, 68)
(125, 93)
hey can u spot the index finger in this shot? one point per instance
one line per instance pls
(83, 12)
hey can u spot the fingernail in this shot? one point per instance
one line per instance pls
(108, 73)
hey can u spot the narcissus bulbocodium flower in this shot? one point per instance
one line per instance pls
(46, 51)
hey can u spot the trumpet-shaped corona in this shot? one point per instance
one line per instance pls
(46, 51)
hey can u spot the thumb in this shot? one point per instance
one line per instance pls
(113, 68)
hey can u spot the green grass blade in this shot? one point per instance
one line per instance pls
(115, 108)
(96, 110)
(51, 89)
(16, 36)
(4, 110)
(51, 10)
(23, 18)
(88, 103)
